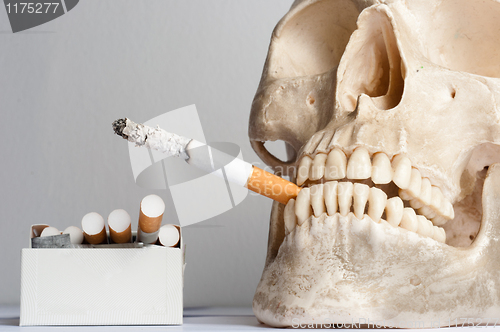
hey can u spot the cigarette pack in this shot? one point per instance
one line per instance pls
(101, 286)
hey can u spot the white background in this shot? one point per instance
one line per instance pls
(63, 83)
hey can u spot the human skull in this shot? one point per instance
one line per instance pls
(389, 111)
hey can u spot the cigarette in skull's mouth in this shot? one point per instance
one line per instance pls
(150, 216)
(208, 159)
(120, 228)
(94, 229)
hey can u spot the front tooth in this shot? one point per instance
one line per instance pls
(439, 234)
(317, 201)
(361, 194)
(437, 199)
(303, 205)
(401, 166)
(330, 194)
(359, 166)
(335, 165)
(381, 169)
(304, 169)
(425, 227)
(289, 216)
(414, 188)
(318, 166)
(409, 220)
(394, 211)
(376, 205)
(344, 192)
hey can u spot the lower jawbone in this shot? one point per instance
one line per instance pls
(345, 270)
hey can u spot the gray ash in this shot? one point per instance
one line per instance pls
(118, 127)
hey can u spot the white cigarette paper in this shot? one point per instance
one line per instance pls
(237, 170)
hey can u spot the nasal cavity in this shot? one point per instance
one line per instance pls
(373, 64)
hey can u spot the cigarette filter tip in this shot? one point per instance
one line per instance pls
(93, 228)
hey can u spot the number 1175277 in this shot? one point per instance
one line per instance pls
(32, 8)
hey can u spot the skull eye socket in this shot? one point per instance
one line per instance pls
(312, 40)
(463, 36)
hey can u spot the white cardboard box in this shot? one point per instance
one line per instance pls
(90, 286)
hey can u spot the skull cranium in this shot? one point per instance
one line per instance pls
(350, 85)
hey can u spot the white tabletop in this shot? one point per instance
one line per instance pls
(195, 319)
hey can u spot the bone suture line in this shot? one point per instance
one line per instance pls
(94, 229)
(237, 171)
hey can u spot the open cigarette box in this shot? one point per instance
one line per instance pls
(101, 286)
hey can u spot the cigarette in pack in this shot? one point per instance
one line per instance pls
(94, 229)
(169, 235)
(120, 227)
(208, 159)
(150, 217)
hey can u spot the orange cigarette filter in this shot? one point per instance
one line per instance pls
(272, 186)
(94, 229)
(121, 237)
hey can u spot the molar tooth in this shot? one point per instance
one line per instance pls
(344, 192)
(335, 165)
(427, 211)
(361, 193)
(376, 205)
(401, 166)
(425, 227)
(409, 220)
(394, 211)
(381, 169)
(303, 205)
(425, 195)
(318, 166)
(439, 234)
(317, 201)
(449, 211)
(330, 194)
(414, 187)
(415, 203)
(359, 166)
(303, 170)
(437, 199)
(439, 220)
(289, 216)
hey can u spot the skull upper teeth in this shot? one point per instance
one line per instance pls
(325, 196)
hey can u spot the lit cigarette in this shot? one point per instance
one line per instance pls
(150, 216)
(169, 235)
(75, 234)
(50, 231)
(236, 170)
(120, 229)
(93, 228)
